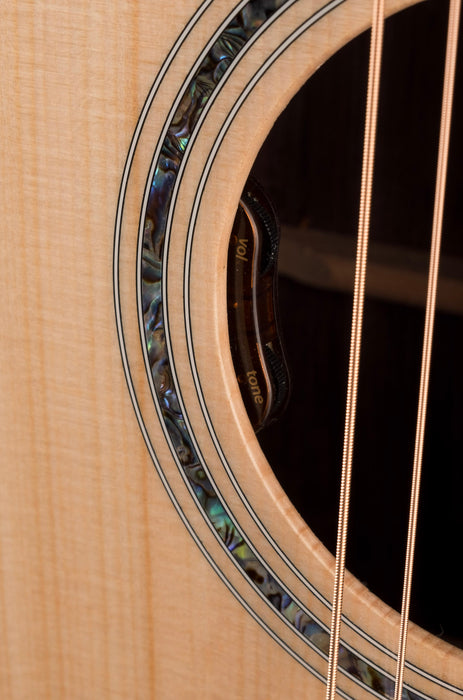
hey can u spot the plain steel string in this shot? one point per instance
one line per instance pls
(374, 71)
(441, 178)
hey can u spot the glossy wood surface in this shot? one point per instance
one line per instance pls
(103, 590)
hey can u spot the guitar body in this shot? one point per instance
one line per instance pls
(117, 579)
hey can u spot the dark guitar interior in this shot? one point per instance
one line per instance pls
(310, 165)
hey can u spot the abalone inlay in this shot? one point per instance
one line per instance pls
(219, 61)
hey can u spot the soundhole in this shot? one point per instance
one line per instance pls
(310, 166)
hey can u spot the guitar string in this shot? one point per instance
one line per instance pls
(441, 178)
(374, 71)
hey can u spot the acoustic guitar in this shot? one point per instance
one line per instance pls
(148, 549)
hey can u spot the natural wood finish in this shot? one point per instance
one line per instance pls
(103, 591)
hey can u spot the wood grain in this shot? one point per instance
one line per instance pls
(103, 591)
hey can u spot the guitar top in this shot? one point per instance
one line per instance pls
(147, 549)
